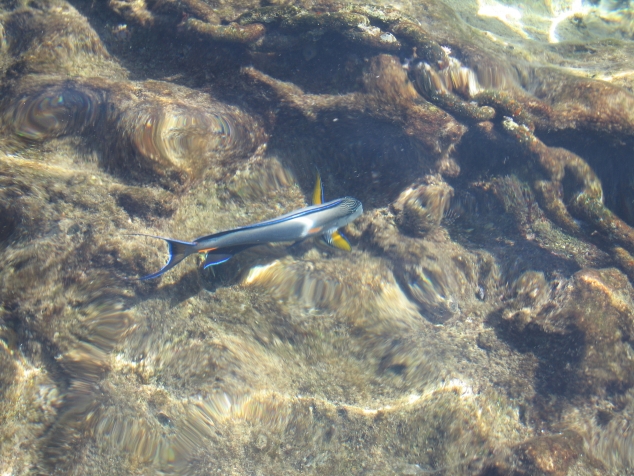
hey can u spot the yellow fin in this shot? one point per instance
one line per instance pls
(318, 191)
(337, 240)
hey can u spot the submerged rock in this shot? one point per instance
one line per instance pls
(423, 208)
(482, 323)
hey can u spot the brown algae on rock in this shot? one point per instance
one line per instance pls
(482, 323)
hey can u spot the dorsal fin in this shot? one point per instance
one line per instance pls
(318, 191)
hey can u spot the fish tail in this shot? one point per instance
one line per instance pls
(178, 251)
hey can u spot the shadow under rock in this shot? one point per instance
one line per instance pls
(370, 160)
(559, 354)
(612, 165)
(477, 220)
(188, 286)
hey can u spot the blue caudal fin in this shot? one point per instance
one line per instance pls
(178, 251)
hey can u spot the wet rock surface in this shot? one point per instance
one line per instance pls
(482, 323)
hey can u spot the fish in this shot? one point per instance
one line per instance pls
(317, 220)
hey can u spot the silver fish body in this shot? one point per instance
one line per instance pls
(315, 220)
(294, 226)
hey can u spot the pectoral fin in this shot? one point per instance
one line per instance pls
(337, 240)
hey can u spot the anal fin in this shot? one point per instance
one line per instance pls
(221, 255)
(213, 259)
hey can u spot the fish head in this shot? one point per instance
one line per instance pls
(353, 207)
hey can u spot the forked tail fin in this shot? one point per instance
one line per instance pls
(178, 251)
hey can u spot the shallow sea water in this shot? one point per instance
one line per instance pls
(483, 321)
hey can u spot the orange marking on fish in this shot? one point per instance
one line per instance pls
(207, 250)
(315, 230)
